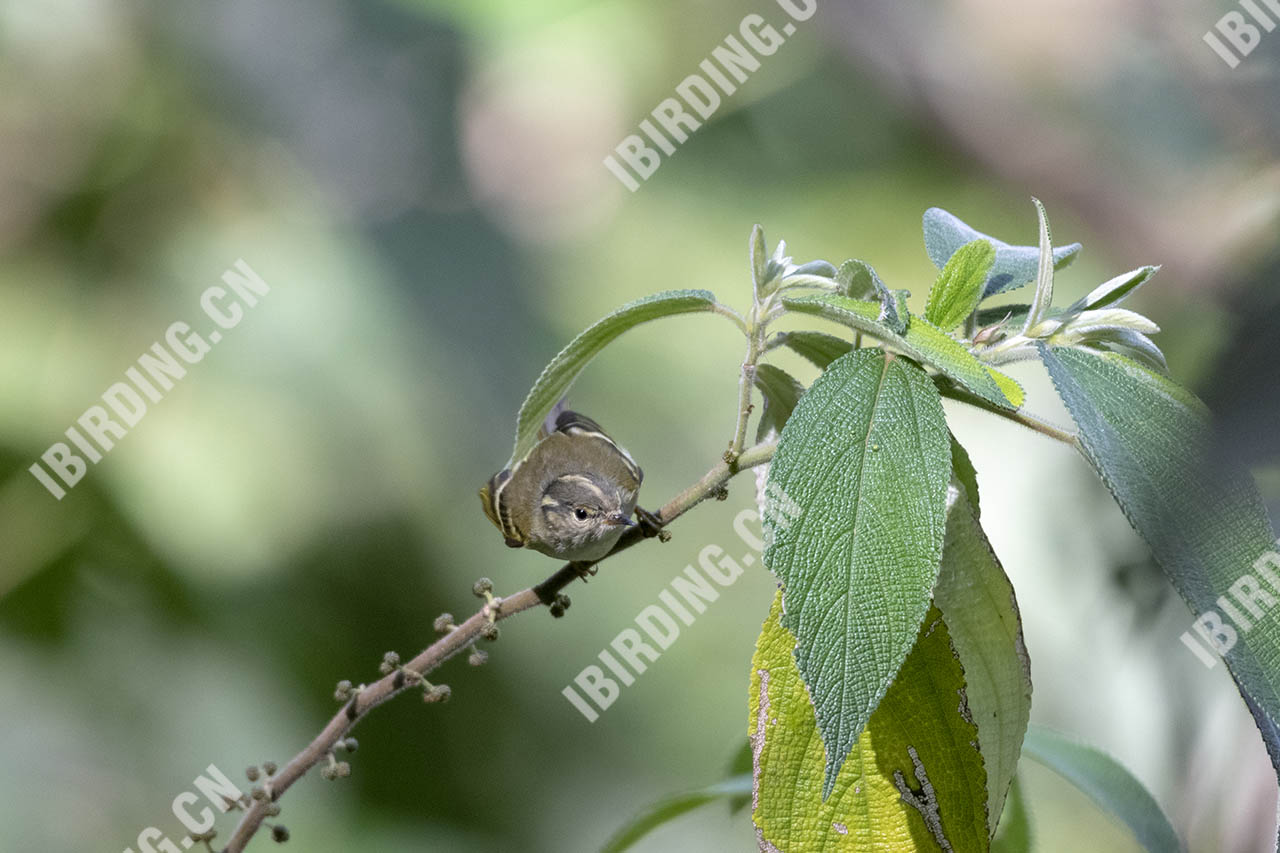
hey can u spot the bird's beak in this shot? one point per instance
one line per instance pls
(619, 520)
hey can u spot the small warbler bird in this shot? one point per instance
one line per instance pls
(572, 497)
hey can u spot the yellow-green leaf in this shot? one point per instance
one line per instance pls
(914, 780)
(958, 289)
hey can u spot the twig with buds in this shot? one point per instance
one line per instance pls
(397, 677)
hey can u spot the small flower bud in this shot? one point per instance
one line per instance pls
(251, 773)
(443, 623)
(351, 744)
(438, 693)
(279, 834)
(482, 587)
(269, 767)
(390, 661)
(273, 810)
(490, 631)
(477, 657)
(562, 600)
(327, 773)
(343, 691)
(342, 768)
(259, 793)
(557, 611)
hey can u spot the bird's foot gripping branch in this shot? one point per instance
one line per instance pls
(890, 691)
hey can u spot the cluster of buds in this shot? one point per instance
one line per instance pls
(559, 605)
(254, 773)
(205, 838)
(261, 794)
(345, 690)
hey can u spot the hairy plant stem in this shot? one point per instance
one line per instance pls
(952, 391)
(462, 637)
(746, 383)
(763, 312)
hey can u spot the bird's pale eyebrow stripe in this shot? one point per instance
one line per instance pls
(587, 428)
(584, 480)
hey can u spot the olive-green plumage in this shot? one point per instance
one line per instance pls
(571, 497)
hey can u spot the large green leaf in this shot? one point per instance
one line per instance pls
(923, 341)
(1107, 783)
(1204, 521)
(917, 756)
(977, 601)
(958, 289)
(864, 460)
(565, 367)
(1014, 265)
(669, 808)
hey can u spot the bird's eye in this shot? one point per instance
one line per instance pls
(580, 514)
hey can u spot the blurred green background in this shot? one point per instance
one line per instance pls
(420, 183)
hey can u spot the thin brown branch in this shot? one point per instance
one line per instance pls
(464, 636)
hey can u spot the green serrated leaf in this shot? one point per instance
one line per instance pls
(923, 341)
(817, 347)
(858, 280)
(893, 310)
(670, 808)
(1014, 266)
(1008, 386)
(958, 288)
(1105, 781)
(864, 461)
(781, 392)
(977, 601)
(914, 780)
(1204, 521)
(557, 376)
(1113, 291)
